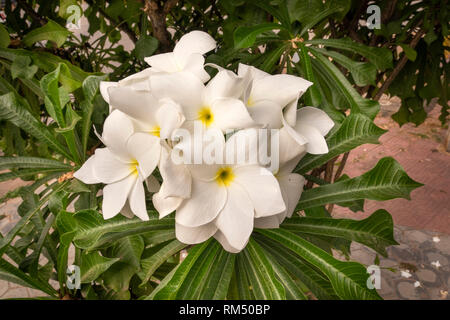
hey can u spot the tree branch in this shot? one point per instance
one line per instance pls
(398, 67)
(30, 11)
(157, 15)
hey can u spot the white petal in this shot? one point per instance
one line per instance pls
(291, 186)
(266, 113)
(270, 222)
(193, 42)
(255, 72)
(140, 105)
(242, 147)
(225, 84)
(194, 235)
(290, 113)
(316, 118)
(86, 172)
(165, 205)
(115, 195)
(195, 65)
(108, 168)
(163, 62)
(183, 87)
(117, 128)
(219, 236)
(104, 85)
(207, 200)
(280, 88)
(138, 81)
(137, 200)
(316, 142)
(262, 188)
(176, 178)
(231, 113)
(146, 149)
(169, 117)
(235, 220)
(289, 148)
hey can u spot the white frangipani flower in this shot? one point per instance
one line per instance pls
(128, 159)
(267, 95)
(186, 56)
(308, 133)
(225, 200)
(215, 105)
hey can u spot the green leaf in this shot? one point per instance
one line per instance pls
(380, 57)
(145, 47)
(376, 231)
(129, 250)
(339, 83)
(10, 273)
(32, 162)
(118, 276)
(11, 109)
(363, 73)
(52, 31)
(314, 280)
(347, 278)
(4, 37)
(387, 180)
(93, 265)
(245, 37)
(313, 97)
(354, 131)
(22, 67)
(92, 226)
(150, 264)
(260, 273)
(169, 286)
(410, 53)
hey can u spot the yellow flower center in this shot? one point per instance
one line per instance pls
(155, 131)
(224, 176)
(134, 167)
(250, 102)
(206, 116)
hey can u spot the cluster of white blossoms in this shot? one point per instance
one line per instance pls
(157, 113)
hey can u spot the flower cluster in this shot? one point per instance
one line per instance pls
(171, 110)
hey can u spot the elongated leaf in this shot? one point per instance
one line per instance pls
(260, 273)
(128, 250)
(380, 57)
(4, 37)
(10, 273)
(363, 73)
(349, 279)
(387, 180)
(215, 286)
(245, 37)
(316, 281)
(52, 31)
(354, 131)
(375, 231)
(12, 110)
(339, 84)
(293, 291)
(150, 264)
(93, 265)
(92, 226)
(168, 288)
(32, 162)
(313, 97)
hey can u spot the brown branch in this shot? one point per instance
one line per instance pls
(33, 14)
(157, 15)
(398, 67)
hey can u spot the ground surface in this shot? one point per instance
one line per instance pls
(416, 269)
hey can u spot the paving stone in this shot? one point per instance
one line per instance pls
(364, 257)
(426, 275)
(433, 256)
(20, 292)
(417, 236)
(443, 245)
(3, 287)
(407, 290)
